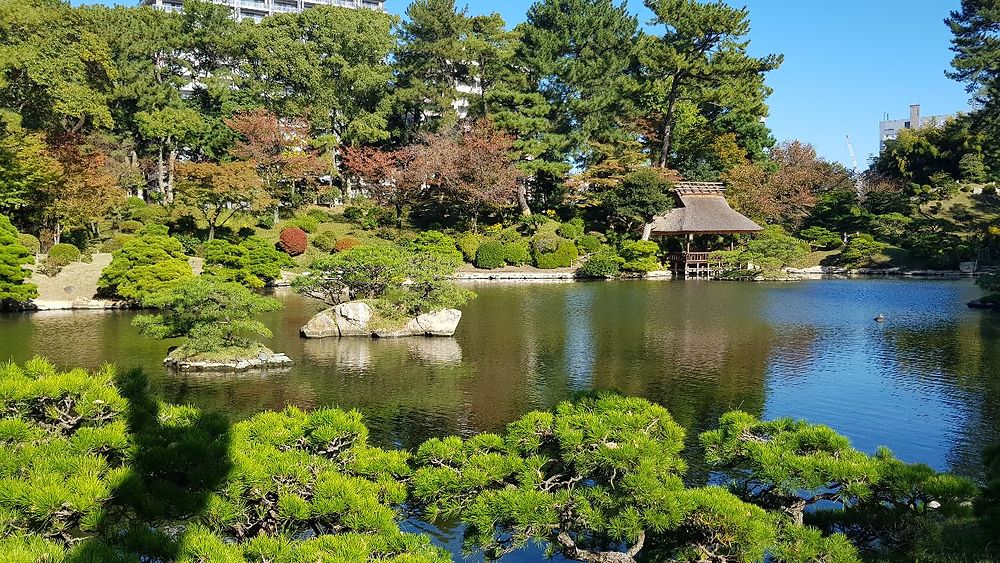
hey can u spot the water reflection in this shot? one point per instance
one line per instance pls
(923, 383)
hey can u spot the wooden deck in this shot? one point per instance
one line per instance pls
(691, 264)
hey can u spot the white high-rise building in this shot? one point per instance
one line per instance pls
(257, 9)
(889, 129)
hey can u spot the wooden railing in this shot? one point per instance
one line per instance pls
(688, 256)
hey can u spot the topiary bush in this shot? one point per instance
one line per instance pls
(318, 215)
(266, 261)
(545, 242)
(468, 244)
(439, 244)
(13, 257)
(143, 266)
(490, 255)
(325, 241)
(59, 256)
(30, 242)
(821, 238)
(230, 262)
(640, 256)
(861, 251)
(293, 241)
(344, 244)
(517, 253)
(130, 227)
(602, 265)
(562, 257)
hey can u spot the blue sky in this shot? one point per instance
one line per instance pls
(847, 64)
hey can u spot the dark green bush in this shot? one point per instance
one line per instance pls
(604, 264)
(821, 238)
(266, 261)
(439, 244)
(59, 256)
(318, 215)
(517, 253)
(589, 244)
(13, 257)
(532, 223)
(861, 251)
(562, 257)
(230, 262)
(353, 213)
(130, 227)
(640, 256)
(490, 255)
(143, 266)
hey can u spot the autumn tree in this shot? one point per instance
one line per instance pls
(278, 149)
(219, 192)
(390, 177)
(85, 192)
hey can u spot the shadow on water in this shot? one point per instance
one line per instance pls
(180, 455)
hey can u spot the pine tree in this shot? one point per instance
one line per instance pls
(13, 257)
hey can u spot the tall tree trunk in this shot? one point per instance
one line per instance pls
(522, 197)
(171, 169)
(668, 124)
(160, 173)
(211, 230)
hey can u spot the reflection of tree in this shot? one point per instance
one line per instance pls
(961, 360)
(698, 349)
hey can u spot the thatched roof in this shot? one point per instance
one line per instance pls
(703, 209)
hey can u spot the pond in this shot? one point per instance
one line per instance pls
(925, 383)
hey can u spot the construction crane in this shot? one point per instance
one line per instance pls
(859, 185)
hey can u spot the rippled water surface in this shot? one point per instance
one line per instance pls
(926, 382)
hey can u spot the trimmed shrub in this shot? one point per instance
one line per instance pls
(13, 257)
(344, 244)
(145, 265)
(533, 223)
(149, 214)
(545, 242)
(192, 244)
(490, 255)
(325, 241)
(821, 238)
(154, 230)
(517, 253)
(588, 244)
(570, 231)
(318, 215)
(353, 213)
(604, 264)
(468, 245)
(562, 257)
(130, 227)
(59, 256)
(115, 243)
(229, 262)
(640, 256)
(438, 244)
(861, 251)
(30, 242)
(266, 261)
(293, 241)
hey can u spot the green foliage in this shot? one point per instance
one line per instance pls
(639, 197)
(115, 243)
(571, 231)
(563, 256)
(378, 273)
(792, 465)
(640, 256)
(439, 244)
(307, 223)
(601, 265)
(892, 227)
(589, 243)
(517, 252)
(58, 257)
(972, 168)
(490, 255)
(325, 241)
(130, 227)
(861, 251)
(13, 257)
(146, 265)
(229, 262)
(64, 442)
(211, 314)
(768, 253)
(30, 242)
(468, 244)
(821, 238)
(266, 261)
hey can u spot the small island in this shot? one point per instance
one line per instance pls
(385, 292)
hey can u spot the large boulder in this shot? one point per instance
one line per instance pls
(354, 319)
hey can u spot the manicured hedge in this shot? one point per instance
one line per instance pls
(517, 253)
(562, 257)
(59, 256)
(605, 264)
(490, 255)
